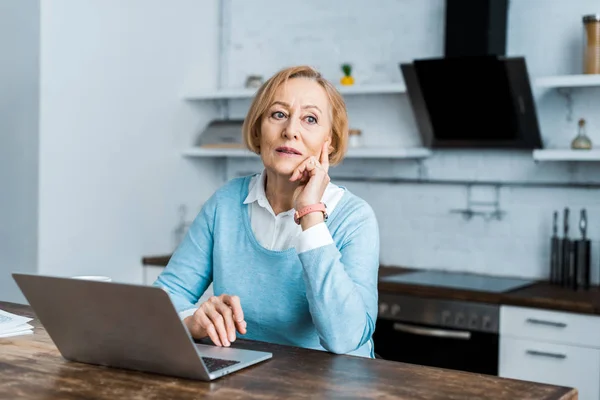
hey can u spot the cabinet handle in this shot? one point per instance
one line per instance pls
(549, 323)
(440, 333)
(546, 354)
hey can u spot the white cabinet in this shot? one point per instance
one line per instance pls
(552, 347)
(556, 364)
(550, 326)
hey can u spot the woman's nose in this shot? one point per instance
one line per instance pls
(292, 130)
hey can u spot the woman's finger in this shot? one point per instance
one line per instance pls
(208, 326)
(241, 327)
(236, 307)
(305, 176)
(218, 322)
(297, 174)
(227, 315)
(325, 155)
(308, 168)
(313, 167)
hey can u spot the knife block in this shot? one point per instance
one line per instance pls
(555, 261)
(566, 262)
(581, 250)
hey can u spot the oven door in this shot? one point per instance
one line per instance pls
(470, 351)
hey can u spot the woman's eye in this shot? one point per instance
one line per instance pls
(278, 115)
(311, 120)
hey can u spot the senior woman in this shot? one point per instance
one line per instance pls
(292, 257)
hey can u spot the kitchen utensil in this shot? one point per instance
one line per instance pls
(554, 252)
(574, 266)
(566, 251)
(254, 81)
(225, 133)
(583, 253)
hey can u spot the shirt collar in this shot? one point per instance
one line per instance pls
(257, 191)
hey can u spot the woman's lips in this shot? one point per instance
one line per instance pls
(285, 151)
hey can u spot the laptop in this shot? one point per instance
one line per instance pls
(125, 326)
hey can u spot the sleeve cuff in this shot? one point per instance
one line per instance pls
(313, 238)
(186, 313)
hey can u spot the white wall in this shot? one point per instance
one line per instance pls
(112, 124)
(19, 85)
(417, 227)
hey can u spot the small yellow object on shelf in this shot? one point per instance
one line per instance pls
(347, 79)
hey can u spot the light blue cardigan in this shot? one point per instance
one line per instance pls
(324, 299)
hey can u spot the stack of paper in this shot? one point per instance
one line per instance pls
(14, 325)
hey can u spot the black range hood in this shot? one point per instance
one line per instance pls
(475, 96)
(473, 102)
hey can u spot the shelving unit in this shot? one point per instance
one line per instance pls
(561, 82)
(198, 152)
(567, 81)
(243, 93)
(365, 152)
(565, 84)
(389, 152)
(225, 95)
(566, 155)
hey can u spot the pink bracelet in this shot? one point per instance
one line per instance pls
(310, 209)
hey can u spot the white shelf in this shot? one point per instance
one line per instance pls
(365, 152)
(388, 152)
(567, 81)
(217, 94)
(217, 152)
(566, 155)
(243, 93)
(390, 88)
(559, 81)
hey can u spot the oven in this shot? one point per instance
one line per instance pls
(450, 334)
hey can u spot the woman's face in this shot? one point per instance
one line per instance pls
(295, 126)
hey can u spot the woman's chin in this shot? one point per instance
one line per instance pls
(284, 166)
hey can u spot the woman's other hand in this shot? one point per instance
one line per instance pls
(313, 178)
(218, 318)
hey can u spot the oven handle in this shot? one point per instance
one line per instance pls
(441, 333)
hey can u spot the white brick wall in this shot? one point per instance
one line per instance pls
(417, 228)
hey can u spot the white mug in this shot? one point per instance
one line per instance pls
(94, 278)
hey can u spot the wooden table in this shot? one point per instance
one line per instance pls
(32, 368)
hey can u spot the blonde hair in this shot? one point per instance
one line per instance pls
(264, 97)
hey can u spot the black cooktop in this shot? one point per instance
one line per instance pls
(460, 280)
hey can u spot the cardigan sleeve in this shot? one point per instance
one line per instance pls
(190, 269)
(341, 283)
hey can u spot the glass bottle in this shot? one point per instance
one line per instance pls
(182, 228)
(581, 141)
(354, 138)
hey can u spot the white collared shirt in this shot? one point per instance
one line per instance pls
(280, 232)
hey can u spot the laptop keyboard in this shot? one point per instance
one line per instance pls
(214, 364)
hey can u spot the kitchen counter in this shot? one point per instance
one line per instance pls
(31, 367)
(539, 295)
